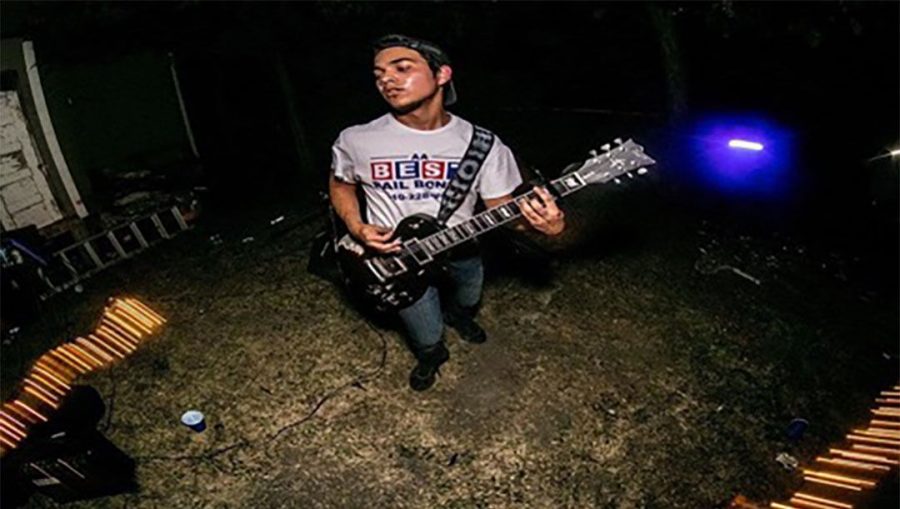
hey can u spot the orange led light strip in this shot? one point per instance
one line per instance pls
(874, 440)
(827, 482)
(111, 340)
(879, 432)
(802, 502)
(833, 503)
(860, 465)
(865, 457)
(874, 450)
(841, 478)
(125, 323)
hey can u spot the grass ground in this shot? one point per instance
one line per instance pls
(638, 370)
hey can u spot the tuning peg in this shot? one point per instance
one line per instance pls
(618, 141)
(593, 153)
(617, 181)
(642, 171)
(605, 147)
(630, 175)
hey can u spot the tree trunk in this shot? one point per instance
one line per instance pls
(676, 94)
(300, 140)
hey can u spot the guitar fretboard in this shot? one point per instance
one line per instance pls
(492, 218)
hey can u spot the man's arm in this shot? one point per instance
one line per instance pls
(541, 213)
(346, 204)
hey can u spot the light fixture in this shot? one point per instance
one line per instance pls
(745, 145)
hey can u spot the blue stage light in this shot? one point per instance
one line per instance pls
(743, 155)
(745, 145)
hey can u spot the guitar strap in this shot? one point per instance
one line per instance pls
(458, 187)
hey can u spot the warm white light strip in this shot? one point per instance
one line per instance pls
(835, 503)
(802, 502)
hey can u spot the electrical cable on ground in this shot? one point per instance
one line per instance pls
(211, 455)
(356, 382)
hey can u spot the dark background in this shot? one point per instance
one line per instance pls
(268, 86)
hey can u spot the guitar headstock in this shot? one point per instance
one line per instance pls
(614, 161)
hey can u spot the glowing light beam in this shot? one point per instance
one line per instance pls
(745, 145)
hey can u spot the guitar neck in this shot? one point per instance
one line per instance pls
(487, 220)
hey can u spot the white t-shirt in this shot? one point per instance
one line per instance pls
(404, 171)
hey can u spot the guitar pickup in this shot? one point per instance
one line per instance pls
(418, 251)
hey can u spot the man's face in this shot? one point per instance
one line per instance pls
(404, 78)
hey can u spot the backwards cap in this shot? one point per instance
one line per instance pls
(432, 53)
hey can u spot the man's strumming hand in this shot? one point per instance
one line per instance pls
(376, 237)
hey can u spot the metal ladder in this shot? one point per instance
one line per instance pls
(81, 260)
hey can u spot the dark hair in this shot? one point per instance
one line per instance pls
(433, 54)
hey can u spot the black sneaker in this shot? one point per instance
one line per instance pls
(463, 320)
(422, 376)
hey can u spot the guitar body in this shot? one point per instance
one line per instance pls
(375, 288)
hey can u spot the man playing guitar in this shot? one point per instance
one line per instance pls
(404, 160)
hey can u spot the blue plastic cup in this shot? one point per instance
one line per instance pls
(797, 428)
(194, 419)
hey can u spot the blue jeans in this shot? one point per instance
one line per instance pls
(423, 319)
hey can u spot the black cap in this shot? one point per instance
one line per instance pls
(432, 53)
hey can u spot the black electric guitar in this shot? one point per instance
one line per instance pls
(394, 281)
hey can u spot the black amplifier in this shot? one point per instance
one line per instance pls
(79, 466)
(67, 458)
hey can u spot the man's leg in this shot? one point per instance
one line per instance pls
(468, 278)
(425, 328)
